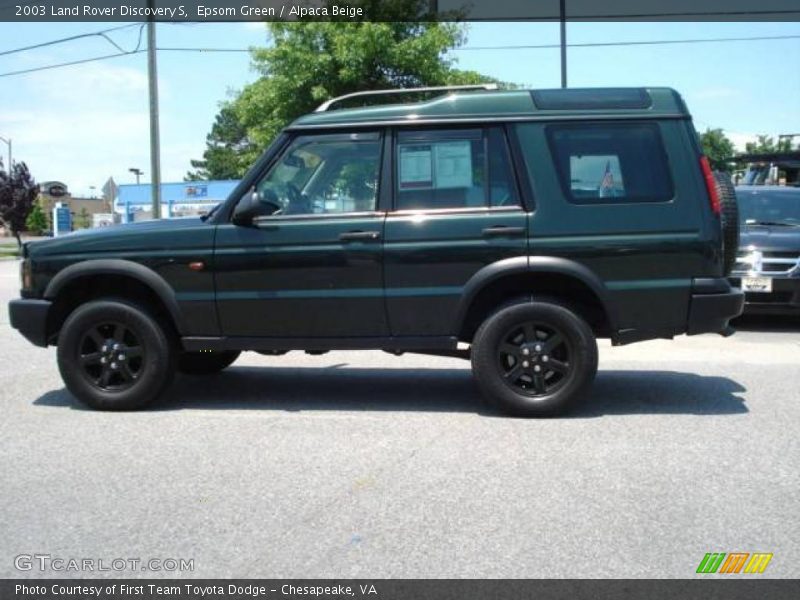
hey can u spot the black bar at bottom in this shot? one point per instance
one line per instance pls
(703, 588)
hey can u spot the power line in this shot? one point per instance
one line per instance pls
(122, 52)
(102, 33)
(71, 63)
(137, 50)
(632, 43)
(539, 46)
(185, 49)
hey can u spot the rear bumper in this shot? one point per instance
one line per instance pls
(29, 317)
(713, 303)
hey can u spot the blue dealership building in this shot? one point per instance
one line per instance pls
(183, 199)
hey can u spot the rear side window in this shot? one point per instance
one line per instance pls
(615, 162)
(453, 168)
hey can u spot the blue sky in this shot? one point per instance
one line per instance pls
(85, 123)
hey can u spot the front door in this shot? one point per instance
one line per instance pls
(456, 209)
(310, 264)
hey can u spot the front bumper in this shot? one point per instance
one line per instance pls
(29, 317)
(713, 303)
(783, 300)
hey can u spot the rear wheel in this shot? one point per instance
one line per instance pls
(534, 358)
(114, 356)
(206, 363)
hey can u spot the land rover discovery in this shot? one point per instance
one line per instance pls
(512, 228)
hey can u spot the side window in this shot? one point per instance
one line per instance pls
(322, 175)
(461, 168)
(620, 162)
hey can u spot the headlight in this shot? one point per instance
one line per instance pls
(26, 275)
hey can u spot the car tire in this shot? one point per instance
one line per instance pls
(729, 219)
(113, 355)
(205, 363)
(534, 359)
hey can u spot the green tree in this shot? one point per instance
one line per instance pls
(37, 220)
(766, 144)
(18, 191)
(718, 148)
(226, 145)
(310, 62)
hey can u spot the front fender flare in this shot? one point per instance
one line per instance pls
(127, 268)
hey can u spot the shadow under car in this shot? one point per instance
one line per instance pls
(337, 388)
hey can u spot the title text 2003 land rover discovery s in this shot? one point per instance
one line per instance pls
(523, 224)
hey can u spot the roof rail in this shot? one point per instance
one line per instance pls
(443, 88)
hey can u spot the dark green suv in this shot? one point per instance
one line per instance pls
(510, 227)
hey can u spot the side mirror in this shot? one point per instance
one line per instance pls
(247, 208)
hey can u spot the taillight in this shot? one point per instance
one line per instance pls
(26, 275)
(711, 185)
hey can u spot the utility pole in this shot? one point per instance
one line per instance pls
(155, 142)
(8, 143)
(563, 19)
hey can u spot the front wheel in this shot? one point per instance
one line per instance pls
(534, 358)
(114, 356)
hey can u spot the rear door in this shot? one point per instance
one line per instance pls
(456, 208)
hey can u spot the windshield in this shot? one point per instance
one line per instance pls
(769, 206)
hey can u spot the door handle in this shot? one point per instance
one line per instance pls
(360, 236)
(502, 230)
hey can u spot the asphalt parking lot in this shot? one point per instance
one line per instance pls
(360, 464)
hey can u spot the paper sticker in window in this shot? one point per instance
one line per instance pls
(416, 167)
(453, 164)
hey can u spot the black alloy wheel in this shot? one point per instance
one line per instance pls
(535, 359)
(115, 355)
(111, 356)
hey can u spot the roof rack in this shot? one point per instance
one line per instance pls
(444, 88)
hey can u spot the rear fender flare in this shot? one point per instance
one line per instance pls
(532, 264)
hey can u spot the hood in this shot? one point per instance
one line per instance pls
(770, 237)
(145, 235)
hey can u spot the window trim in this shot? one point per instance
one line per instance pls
(403, 212)
(522, 176)
(564, 180)
(375, 135)
(511, 163)
(432, 134)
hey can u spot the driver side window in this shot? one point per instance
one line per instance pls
(323, 174)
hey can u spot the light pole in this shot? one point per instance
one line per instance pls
(563, 21)
(7, 143)
(137, 172)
